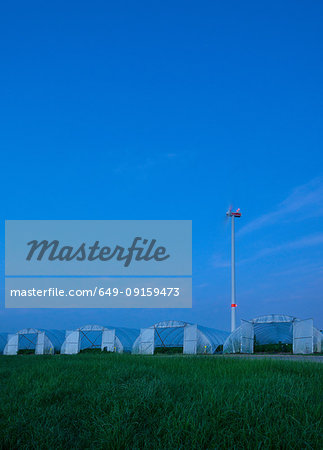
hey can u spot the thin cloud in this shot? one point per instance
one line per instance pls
(218, 262)
(202, 285)
(307, 268)
(307, 241)
(306, 200)
(134, 166)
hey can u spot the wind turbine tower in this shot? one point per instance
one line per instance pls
(233, 215)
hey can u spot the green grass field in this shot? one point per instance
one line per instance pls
(123, 401)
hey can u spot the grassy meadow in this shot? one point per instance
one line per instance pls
(116, 401)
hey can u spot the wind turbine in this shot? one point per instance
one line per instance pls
(233, 214)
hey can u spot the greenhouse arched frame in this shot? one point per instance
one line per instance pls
(192, 338)
(274, 329)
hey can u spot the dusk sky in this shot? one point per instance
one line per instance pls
(172, 110)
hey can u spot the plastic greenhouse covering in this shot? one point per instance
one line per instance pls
(112, 339)
(169, 334)
(187, 337)
(40, 341)
(273, 329)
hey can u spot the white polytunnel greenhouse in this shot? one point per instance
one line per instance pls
(191, 338)
(274, 329)
(34, 340)
(90, 337)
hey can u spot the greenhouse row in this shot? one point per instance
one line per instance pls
(184, 337)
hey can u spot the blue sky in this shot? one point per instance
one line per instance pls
(172, 110)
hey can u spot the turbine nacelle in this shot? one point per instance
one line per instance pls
(236, 213)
